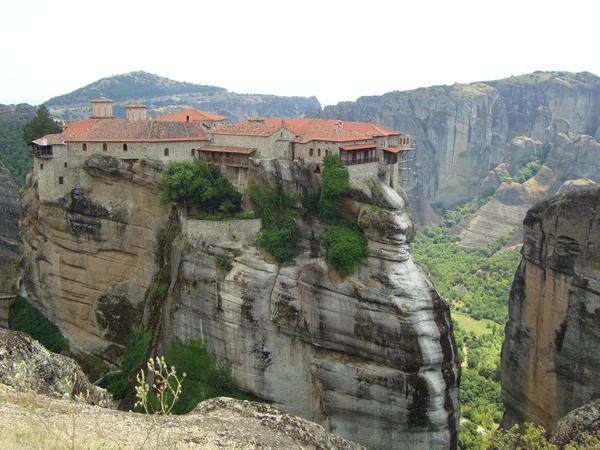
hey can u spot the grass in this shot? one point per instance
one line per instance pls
(478, 327)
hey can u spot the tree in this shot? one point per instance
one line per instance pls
(201, 185)
(39, 125)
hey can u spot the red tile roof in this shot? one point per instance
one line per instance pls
(101, 100)
(120, 130)
(391, 149)
(227, 149)
(244, 130)
(301, 125)
(358, 147)
(193, 114)
(50, 139)
(330, 135)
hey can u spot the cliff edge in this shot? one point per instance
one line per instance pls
(549, 356)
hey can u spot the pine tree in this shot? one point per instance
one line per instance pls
(39, 125)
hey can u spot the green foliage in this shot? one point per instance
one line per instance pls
(28, 319)
(311, 200)
(14, 153)
(224, 263)
(119, 383)
(345, 246)
(245, 216)
(131, 85)
(488, 192)
(39, 125)
(206, 375)
(281, 237)
(201, 185)
(536, 160)
(336, 179)
(453, 216)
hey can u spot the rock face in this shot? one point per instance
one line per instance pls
(88, 259)
(371, 357)
(570, 158)
(549, 356)
(9, 229)
(578, 426)
(460, 131)
(26, 364)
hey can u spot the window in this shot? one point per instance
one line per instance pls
(65, 165)
(41, 167)
(319, 152)
(61, 180)
(124, 147)
(310, 152)
(193, 152)
(187, 118)
(105, 147)
(326, 151)
(84, 147)
(166, 152)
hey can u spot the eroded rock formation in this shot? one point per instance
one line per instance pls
(460, 131)
(549, 356)
(371, 357)
(9, 229)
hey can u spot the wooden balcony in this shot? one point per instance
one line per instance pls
(354, 162)
(232, 162)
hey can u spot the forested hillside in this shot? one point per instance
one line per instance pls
(128, 86)
(14, 154)
(476, 284)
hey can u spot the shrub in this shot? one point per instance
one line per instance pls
(245, 216)
(118, 383)
(345, 246)
(223, 263)
(26, 318)
(206, 375)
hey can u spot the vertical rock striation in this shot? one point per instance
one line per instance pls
(550, 354)
(371, 357)
(9, 229)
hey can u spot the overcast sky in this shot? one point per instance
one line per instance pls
(335, 50)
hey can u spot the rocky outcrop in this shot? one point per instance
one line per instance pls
(579, 426)
(89, 258)
(549, 356)
(570, 157)
(460, 131)
(371, 357)
(9, 229)
(26, 365)
(37, 421)
(372, 352)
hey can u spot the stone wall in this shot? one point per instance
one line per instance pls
(207, 232)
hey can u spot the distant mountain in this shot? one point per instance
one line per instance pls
(22, 111)
(133, 85)
(164, 96)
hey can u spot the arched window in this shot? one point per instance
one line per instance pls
(319, 152)
(84, 147)
(326, 151)
(310, 152)
(193, 153)
(105, 146)
(124, 147)
(166, 152)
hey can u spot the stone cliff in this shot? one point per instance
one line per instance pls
(461, 131)
(9, 229)
(549, 356)
(371, 357)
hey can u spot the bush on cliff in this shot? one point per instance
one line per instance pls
(26, 318)
(200, 185)
(280, 236)
(345, 246)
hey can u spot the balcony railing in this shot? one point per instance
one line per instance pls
(42, 155)
(227, 161)
(353, 162)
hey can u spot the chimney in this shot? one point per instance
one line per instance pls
(102, 108)
(135, 111)
(339, 125)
